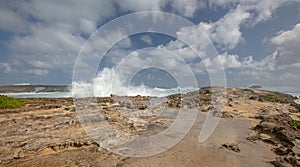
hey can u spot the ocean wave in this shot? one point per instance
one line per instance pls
(107, 83)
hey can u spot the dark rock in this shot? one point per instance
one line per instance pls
(50, 106)
(232, 146)
(255, 87)
(253, 98)
(281, 150)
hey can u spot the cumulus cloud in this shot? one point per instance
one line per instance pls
(287, 46)
(265, 9)
(52, 32)
(187, 7)
(47, 35)
(261, 10)
(226, 31)
(46, 47)
(232, 61)
(229, 61)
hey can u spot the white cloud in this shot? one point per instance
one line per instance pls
(147, 39)
(265, 9)
(187, 7)
(152, 57)
(11, 21)
(40, 64)
(261, 10)
(287, 46)
(45, 40)
(37, 72)
(71, 12)
(194, 37)
(266, 64)
(287, 75)
(54, 31)
(184, 8)
(133, 5)
(222, 3)
(46, 47)
(5, 68)
(229, 61)
(226, 31)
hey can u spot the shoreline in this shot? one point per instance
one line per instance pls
(31, 89)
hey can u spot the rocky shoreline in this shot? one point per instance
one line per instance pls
(47, 131)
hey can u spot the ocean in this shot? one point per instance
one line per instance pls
(39, 95)
(141, 90)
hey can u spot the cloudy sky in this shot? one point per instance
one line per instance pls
(257, 41)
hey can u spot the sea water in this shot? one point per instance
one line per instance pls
(140, 90)
(39, 95)
(155, 92)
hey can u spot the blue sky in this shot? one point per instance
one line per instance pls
(257, 41)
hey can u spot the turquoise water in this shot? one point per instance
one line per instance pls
(39, 95)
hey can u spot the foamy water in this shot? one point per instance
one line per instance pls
(130, 91)
(39, 95)
(109, 82)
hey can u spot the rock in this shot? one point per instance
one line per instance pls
(282, 135)
(142, 107)
(50, 106)
(278, 163)
(232, 146)
(227, 115)
(281, 150)
(34, 130)
(253, 98)
(255, 87)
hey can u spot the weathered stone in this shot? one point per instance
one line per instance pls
(232, 146)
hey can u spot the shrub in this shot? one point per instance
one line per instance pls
(210, 92)
(274, 99)
(295, 123)
(73, 109)
(249, 90)
(10, 102)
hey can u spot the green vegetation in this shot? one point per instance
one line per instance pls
(274, 99)
(209, 92)
(9, 102)
(73, 109)
(295, 123)
(248, 90)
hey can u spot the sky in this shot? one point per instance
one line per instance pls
(256, 42)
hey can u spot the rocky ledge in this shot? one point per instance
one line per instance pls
(48, 129)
